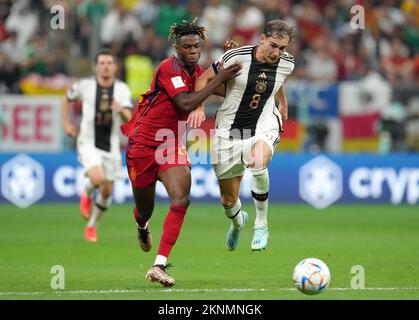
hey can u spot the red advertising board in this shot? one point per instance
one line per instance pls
(30, 123)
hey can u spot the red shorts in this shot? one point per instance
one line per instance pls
(145, 163)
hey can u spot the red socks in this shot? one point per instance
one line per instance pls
(171, 229)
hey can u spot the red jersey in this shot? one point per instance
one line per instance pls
(157, 110)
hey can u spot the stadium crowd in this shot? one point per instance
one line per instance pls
(327, 48)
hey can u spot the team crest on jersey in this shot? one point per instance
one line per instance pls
(260, 87)
(104, 102)
(261, 83)
(132, 174)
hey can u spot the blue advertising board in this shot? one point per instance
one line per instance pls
(320, 180)
(314, 100)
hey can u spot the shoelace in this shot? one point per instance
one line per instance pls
(164, 268)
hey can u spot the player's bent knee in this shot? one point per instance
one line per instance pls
(105, 190)
(181, 201)
(228, 201)
(106, 193)
(97, 180)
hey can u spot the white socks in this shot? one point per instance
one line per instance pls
(160, 260)
(89, 189)
(234, 213)
(260, 189)
(99, 207)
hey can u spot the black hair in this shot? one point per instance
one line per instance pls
(279, 29)
(178, 30)
(105, 52)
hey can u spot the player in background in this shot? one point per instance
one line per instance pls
(155, 148)
(106, 102)
(248, 125)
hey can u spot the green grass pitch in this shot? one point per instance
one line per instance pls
(383, 239)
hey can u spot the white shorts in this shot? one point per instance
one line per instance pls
(230, 158)
(90, 156)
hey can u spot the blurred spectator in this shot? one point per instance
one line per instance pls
(90, 14)
(152, 45)
(118, 26)
(248, 21)
(350, 59)
(398, 67)
(23, 21)
(158, 50)
(309, 21)
(170, 12)
(280, 9)
(317, 133)
(36, 54)
(3, 32)
(147, 12)
(376, 92)
(138, 72)
(9, 75)
(388, 18)
(295, 48)
(217, 18)
(410, 32)
(12, 49)
(320, 65)
(412, 125)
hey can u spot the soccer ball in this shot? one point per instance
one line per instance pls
(311, 276)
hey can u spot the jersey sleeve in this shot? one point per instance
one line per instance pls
(291, 68)
(171, 80)
(126, 101)
(75, 92)
(228, 58)
(289, 58)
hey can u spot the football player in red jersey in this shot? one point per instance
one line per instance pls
(155, 151)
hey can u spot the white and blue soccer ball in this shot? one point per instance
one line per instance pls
(311, 276)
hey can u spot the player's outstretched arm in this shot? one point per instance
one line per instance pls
(204, 79)
(196, 117)
(189, 101)
(124, 112)
(69, 128)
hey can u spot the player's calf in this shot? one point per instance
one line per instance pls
(143, 233)
(85, 205)
(144, 238)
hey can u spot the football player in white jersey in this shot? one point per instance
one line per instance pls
(106, 102)
(248, 124)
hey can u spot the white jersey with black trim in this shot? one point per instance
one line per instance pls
(249, 105)
(100, 124)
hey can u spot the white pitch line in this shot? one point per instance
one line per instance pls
(112, 291)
